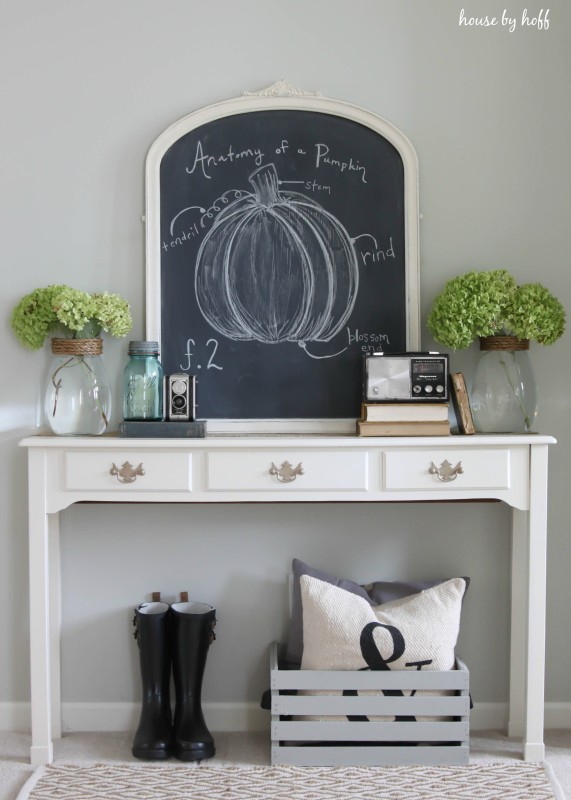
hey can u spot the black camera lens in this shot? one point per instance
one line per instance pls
(179, 402)
(179, 387)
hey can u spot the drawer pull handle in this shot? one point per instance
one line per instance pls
(286, 473)
(446, 472)
(127, 473)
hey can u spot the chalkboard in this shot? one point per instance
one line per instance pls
(282, 242)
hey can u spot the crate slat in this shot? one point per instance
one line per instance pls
(370, 756)
(337, 681)
(370, 731)
(296, 705)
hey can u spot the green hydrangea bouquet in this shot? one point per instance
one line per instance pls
(77, 399)
(490, 303)
(69, 313)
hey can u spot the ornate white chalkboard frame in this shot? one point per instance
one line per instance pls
(281, 96)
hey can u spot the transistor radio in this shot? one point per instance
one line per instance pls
(404, 377)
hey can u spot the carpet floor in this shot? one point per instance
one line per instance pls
(516, 781)
(237, 752)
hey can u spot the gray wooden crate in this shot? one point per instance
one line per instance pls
(442, 739)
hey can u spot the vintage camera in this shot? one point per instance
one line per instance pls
(403, 377)
(180, 394)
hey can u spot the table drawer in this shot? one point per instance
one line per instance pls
(298, 470)
(446, 468)
(126, 470)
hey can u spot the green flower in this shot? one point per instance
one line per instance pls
(73, 308)
(534, 313)
(69, 312)
(113, 313)
(488, 303)
(34, 317)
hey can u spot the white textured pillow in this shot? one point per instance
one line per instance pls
(420, 628)
(418, 631)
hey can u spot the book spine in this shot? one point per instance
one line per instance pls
(365, 428)
(163, 430)
(404, 412)
(461, 404)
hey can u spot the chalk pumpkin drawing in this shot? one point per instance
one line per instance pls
(276, 267)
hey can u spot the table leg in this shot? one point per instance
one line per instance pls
(533, 746)
(42, 749)
(519, 602)
(55, 623)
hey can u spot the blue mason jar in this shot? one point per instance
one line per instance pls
(143, 383)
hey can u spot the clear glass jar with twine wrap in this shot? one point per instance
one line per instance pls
(504, 394)
(77, 397)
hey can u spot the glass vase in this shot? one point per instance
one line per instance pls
(77, 397)
(504, 394)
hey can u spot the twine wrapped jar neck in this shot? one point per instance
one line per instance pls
(77, 347)
(503, 343)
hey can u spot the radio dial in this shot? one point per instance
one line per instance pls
(440, 388)
(416, 389)
(428, 388)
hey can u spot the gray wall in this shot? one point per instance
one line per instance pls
(86, 89)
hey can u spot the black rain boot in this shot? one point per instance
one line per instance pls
(192, 631)
(153, 739)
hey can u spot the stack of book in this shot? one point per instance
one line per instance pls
(403, 419)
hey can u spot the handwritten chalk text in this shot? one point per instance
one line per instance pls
(322, 157)
(210, 348)
(204, 161)
(369, 342)
(378, 256)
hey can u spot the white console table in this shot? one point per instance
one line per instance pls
(510, 468)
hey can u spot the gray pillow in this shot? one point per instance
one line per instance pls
(375, 593)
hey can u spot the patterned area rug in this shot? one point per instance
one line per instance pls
(517, 781)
